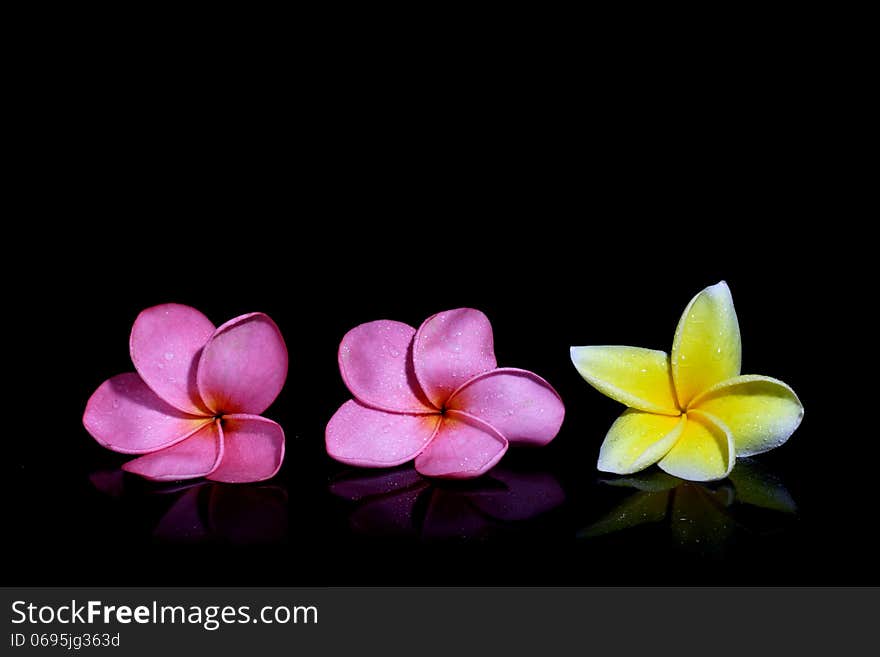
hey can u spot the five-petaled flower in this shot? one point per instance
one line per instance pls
(193, 407)
(436, 396)
(693, 413)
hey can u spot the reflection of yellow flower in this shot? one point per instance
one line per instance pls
(693, 413)
(698, 514)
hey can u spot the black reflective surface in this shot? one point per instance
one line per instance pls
(565, 240)
(706, 518)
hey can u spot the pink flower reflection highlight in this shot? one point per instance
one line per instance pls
(401, 503)
(437, 396)
(193, 407)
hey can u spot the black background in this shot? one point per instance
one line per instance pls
(571, 211)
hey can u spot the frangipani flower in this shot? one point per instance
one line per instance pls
(693, 413)
(436, 396)
(193, 407)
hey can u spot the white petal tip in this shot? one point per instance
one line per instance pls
(721, 287)
(607, 467)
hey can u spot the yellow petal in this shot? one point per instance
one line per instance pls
(633, 376)
(637, 440)
(703, 452)
(706, 349)
(760, 412)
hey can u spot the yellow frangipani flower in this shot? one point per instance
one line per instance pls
(691, 414)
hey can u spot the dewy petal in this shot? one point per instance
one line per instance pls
(760, 412)
(464, 447)
(126, 416)
(370, 438)
(243, 366)
(521, 405)
(637, 440)
(375, 360)
(450, 348)
(194, 457)
(633, 376)
(704, 451)
(253, 449)
(165, 345)
(707, 348)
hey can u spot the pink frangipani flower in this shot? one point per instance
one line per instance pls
(193, 407)
(436, 395)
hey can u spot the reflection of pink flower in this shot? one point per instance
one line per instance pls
(235, 514)
(402, 503)
(206, 511)
(193, 407)
(436, 396)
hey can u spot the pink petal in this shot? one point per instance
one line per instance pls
(165, 345)
(370, 438)
(194, 457)
(464, 447)
(243, 366)
(375, 360)
(519, 404)
(450, 348)
(126, 416)
(253, 449)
